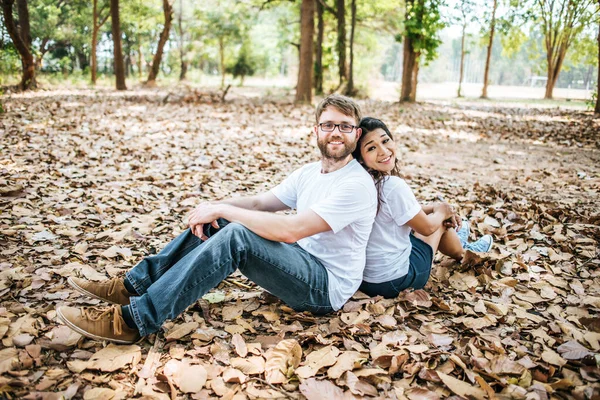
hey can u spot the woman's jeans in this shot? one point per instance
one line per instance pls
(187, 268)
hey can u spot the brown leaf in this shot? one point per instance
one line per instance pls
(347, 361)
(114, 357)
(572, 350)
(8, 359)
(254, 365)
(281, 359)
(240, 345)
(181, 330)
(316, 360)
(189, 378)
(314, 389)
(461, 388)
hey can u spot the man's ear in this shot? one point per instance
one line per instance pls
(316, 130)
(358, 133)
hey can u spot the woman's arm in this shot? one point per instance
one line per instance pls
(426, 224)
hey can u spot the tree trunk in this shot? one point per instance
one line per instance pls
(95, 28)
(118, 51)
(341, 40)
(97, 23)
(164, 36)
(141, 61)
(409, 72)
(555, 59)
(462, 60)
(350, 87)
(414, 78)
(486, 73)
(28, 74)
(184, 64)
(319, 49)
(597, 108)
(24, 28)
(410, 64)
(222, 60)
(307, 31)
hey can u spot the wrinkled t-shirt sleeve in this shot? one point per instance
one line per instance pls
(287, 191)
(402, 203)
(348, 203)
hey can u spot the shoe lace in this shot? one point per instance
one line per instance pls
(112, 287)
(95, 314)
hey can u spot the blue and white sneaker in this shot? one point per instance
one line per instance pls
(463, 233)
(483, 245)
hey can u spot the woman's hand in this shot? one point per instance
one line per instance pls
(443, 208)
(451, 219)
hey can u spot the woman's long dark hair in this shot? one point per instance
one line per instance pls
(369, 124)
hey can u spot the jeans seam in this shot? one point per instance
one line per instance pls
(136, 317)
(142, 287)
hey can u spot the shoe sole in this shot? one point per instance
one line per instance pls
(89, 335)
(81, 290)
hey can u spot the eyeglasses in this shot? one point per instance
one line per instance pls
(330, 126)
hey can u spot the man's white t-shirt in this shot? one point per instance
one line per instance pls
(388, 251)
(347, 200)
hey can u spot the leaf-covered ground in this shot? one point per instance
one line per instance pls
(92, 181)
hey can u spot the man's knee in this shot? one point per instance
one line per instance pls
(237, 233)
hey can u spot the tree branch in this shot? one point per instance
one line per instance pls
(327, 7)
(266, 2)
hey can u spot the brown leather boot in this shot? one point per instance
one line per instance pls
(112, 290)
(99, 323)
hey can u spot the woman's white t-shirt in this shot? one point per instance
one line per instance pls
(388, 250)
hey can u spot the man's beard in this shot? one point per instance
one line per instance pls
(339, 154)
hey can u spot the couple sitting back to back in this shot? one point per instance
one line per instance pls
(352, 230)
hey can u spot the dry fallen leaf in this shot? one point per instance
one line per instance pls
(189, 378)
(281, 359)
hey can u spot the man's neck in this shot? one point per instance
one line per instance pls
(329, 165)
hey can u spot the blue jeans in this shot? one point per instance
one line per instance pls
(421, 257)
(187, 268)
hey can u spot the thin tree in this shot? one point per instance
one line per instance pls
(307, 30)
(465, 9)
(562, 21)
(318, 81)
(117, 50)
(341, 41)
(350, 88)
(597, 108)
(182, 59)
(488, 58)
(97, 22)
(21, 39)
(164, 36)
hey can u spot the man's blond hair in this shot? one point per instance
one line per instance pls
(343, 104)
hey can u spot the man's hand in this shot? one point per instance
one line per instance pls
(205, 213)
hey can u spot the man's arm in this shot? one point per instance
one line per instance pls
(260, 202)
(271, 226)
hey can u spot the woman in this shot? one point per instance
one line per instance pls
(396, 258)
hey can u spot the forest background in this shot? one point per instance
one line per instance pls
(351, 46)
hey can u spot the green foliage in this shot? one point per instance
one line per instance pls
(591, 102)
(423, 23)
(244, 65)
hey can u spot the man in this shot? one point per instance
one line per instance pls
(312, 260)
